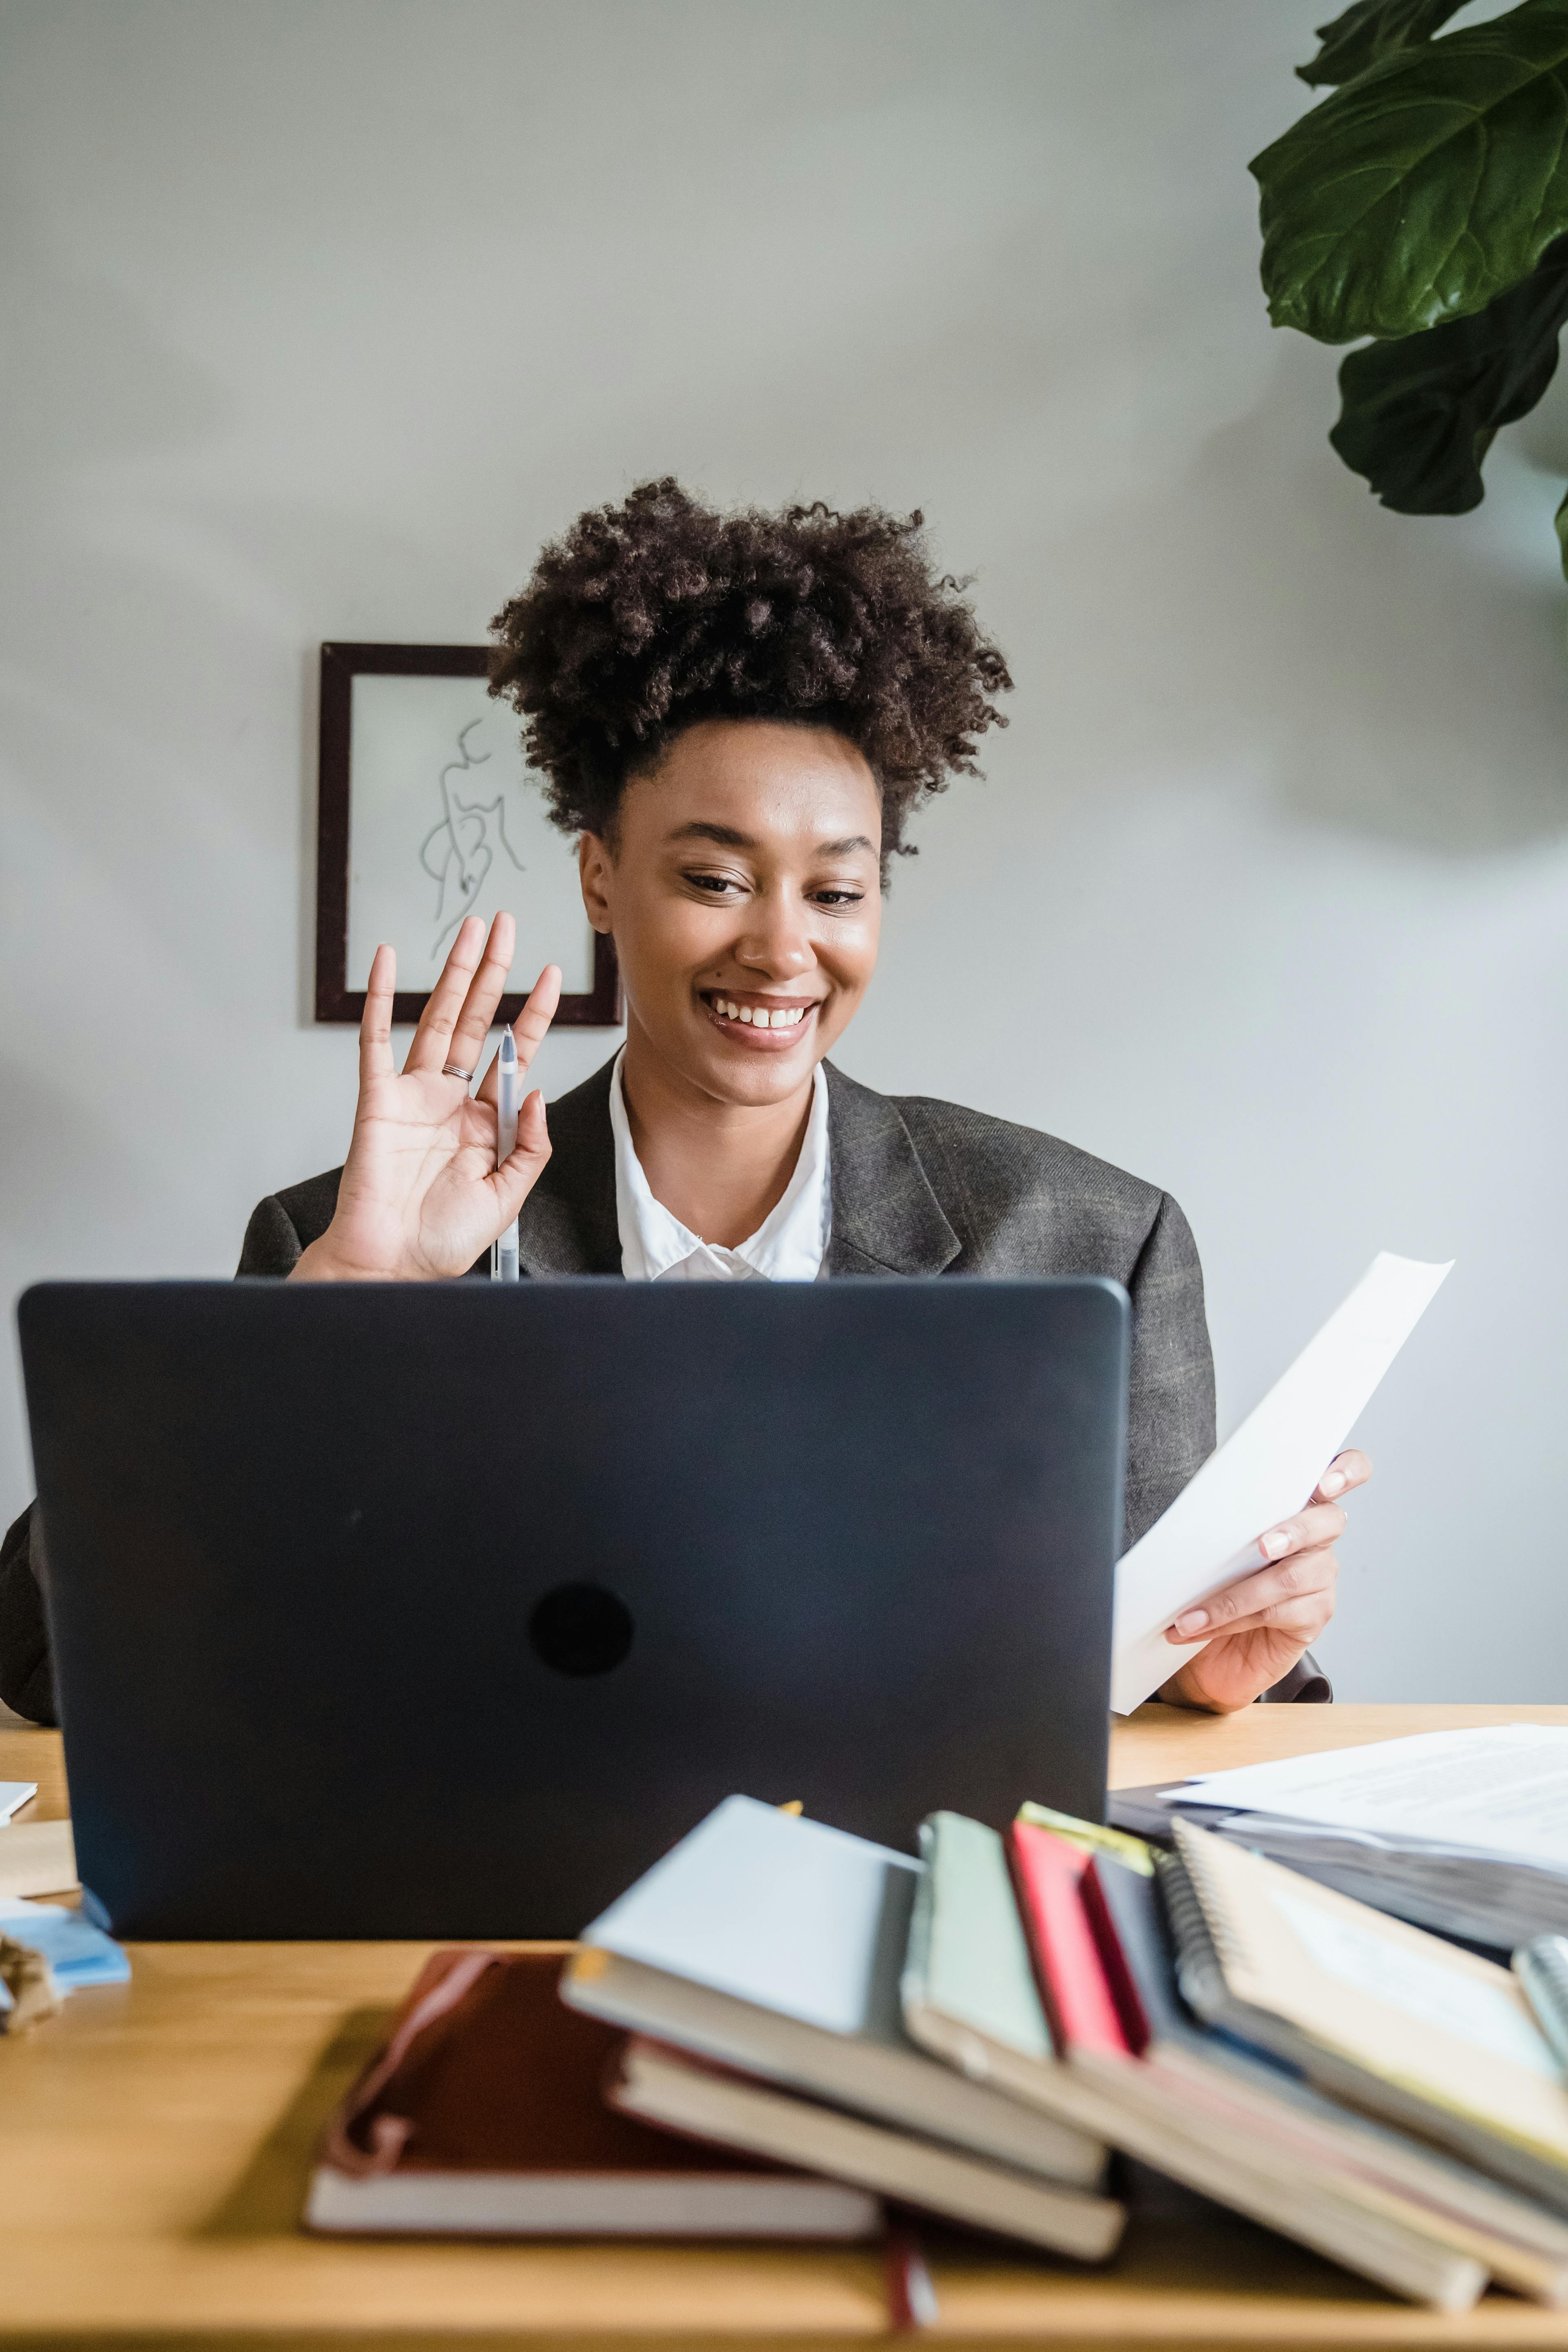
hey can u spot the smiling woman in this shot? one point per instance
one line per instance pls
(742, 893)
(735, 716)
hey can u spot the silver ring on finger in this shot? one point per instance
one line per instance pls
(450, 1070)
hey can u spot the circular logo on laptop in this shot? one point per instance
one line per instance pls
(581, 1629)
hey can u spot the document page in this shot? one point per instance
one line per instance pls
(1209, 1535)
(1501, 1788)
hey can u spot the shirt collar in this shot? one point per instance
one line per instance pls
(788, 1246)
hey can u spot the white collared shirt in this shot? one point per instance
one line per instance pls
(789, 1245)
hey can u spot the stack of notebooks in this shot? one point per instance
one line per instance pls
(970, 2034)
(1258, 2039)
(753, 1975)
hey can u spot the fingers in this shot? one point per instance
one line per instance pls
(1319, 1523)
(1298, 1621)
(1347, 1470)
(1295, 1590)
(1298, 1561)
(533, 1022)
(516, 1177)
(462, 1006)
(466, 1044)
(376, 1023)
(432, 1039)
(530, 1028)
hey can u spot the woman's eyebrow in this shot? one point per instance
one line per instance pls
(727, 836)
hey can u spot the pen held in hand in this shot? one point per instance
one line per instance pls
(508, 1094)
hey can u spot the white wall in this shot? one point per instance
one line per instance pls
(324, 313)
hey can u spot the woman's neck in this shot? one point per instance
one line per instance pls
(721, 1167)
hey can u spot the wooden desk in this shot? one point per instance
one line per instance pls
(154, 2142)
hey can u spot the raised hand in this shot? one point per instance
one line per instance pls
(421, 1197)
(1254, 1632)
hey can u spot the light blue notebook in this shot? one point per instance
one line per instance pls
(78, 1953)
(777, 1910)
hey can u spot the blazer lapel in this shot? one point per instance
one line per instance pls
(886, 1217)
(568, 1223)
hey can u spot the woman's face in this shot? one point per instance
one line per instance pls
(743, 894)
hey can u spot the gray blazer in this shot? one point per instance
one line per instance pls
(918, 1187)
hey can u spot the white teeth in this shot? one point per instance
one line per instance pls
(759, 1016)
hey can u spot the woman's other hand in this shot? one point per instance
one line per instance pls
(421, 1196)
(1259, 1627)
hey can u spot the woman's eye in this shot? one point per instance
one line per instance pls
(712, 883)
(839, 898)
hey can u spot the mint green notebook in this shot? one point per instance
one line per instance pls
(967, 1965)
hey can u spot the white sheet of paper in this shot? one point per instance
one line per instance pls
(13, 1793)
(1500, 1786)
(1209, 1535)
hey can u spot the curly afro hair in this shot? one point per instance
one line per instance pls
(652, 614)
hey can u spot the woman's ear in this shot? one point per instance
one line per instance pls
(594, 868)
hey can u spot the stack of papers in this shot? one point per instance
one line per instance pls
(1466, 1832)
(1499, 1790)
(13, 1794)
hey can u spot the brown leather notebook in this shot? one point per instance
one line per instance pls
(484, 2117)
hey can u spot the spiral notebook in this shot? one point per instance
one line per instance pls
(1371, 2009)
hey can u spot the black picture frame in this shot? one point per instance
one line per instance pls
(335, 999)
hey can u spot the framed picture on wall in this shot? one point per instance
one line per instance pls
(427, 814)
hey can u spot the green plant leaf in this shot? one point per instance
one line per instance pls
(1418, 416)
(1426, 187)
(1369, 31)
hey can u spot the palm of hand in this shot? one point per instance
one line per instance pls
(416, 1188)
(421, 1198)
(1230, 1671)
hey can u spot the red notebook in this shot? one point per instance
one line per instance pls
(1047, 1879)
(483, 2116)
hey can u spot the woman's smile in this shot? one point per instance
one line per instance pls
(756, 1021)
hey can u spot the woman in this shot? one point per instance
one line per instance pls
(735, 716)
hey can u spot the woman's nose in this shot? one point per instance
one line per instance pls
(775, 941)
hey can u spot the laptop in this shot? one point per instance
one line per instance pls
(443, 1610)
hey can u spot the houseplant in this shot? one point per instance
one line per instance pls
(1424, 204)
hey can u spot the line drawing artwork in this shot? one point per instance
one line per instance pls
(457, 852)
